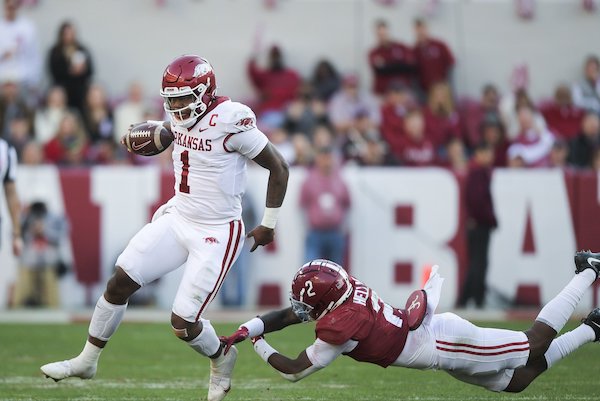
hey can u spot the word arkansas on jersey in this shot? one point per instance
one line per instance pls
(192, 142)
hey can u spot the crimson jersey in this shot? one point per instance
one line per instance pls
(392, 63)
(379, 329)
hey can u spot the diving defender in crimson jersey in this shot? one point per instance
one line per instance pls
(352, 320)
(200, 228)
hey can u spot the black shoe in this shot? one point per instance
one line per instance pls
(593, 320)
(587, 260)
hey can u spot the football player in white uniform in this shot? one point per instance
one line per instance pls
(200, 228)
(352, 320)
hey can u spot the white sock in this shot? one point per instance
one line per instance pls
(558, 311)
(90, 354)
(207, 343)
(106, 319)
(563, 345)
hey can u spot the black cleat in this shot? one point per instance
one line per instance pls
(587, 260)
(593, 320)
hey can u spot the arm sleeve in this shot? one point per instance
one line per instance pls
(322, 354)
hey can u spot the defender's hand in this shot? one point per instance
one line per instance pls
(240, 335)
(262, 236)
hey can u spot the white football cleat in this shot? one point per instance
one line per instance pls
(69, 368)
(220, 375)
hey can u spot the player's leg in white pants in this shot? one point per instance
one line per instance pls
(213, 250)
(476, 355)
(153, 252)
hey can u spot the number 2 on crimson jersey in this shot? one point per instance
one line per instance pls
(185, 170)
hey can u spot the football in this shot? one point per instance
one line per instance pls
(148, 139)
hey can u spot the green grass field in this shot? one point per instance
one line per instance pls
(146, 362)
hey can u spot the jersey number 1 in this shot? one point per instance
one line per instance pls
(185, 170)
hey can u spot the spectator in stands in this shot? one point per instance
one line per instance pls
(509, 106)
(283, 142)
(361, 142)
(19, 53)
(32, 154)
(390, 61)
(49, 116)
(583, 148)
(434, 58)
(397, 103)
(71, 65)
(481, 220)
(416, 148)
(348, 102)
(492, 134)
(12, 105)
(586, 93)
(305, 112)
(457, 160)
(41, 261)
(131, 109)
(69, 146)
(561, 115)
(323, 138)
(303, 150)
(8, 175)
(97, 115)
(325, 80)
(325, 198)
(277, 85)
(442, 121)
(532, 145)
(474, 113)
(515, 159)
(559, 154)
(19, 133)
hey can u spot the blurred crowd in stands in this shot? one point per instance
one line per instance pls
(411, 116)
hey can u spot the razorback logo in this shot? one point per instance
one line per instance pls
(246, 122)
(211, 240)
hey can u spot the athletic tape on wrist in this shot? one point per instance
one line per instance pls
(264, 350)
(269, 219)
(255, 327)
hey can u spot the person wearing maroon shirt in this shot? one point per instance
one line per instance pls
(415, 149)
(277, 85)
(442, 121)
(562, 115)
(473, 113)
(390, 61)
(351, 319)
(481, 220)
(397, 103)
(434, 58)
(492, 133)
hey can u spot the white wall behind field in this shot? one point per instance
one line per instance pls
(135, 39)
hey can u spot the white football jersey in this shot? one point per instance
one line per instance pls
(209, 162)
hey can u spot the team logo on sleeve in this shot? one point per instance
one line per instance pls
(247, 122)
